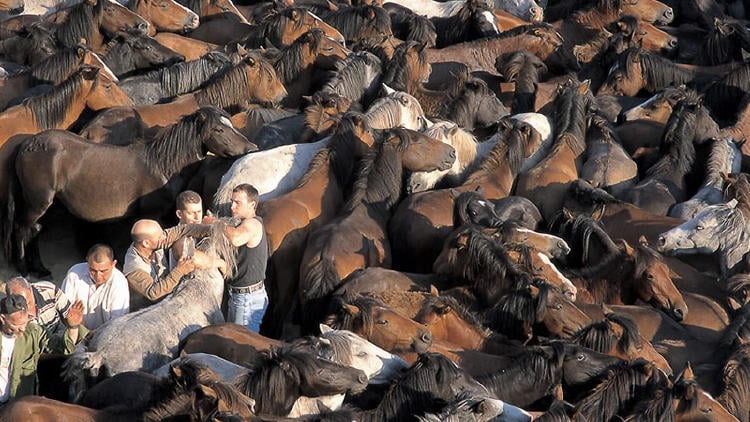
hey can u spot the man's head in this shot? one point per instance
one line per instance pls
(14, 315)
(101, 260)
(244, 201)
(189, 207)
(20, 286)
(147, 235)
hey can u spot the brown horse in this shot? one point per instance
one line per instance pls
(547, 183)
(253, 80)
(379, 324)
(165, 15)
(52, 70)
(289, 219)
(423, 220)
(539, 39)
(150, 171)
(358, 237)
(206, 8)
(94, 21)
(659, 107)
(230, 341)
(607, 165)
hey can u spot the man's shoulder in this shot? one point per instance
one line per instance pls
(44, 286)
(77, 272)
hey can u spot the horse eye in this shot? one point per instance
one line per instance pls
(707, 410)
(361, 354)
(557, 307)
(699, 227)
(581, 357)
(383, 322)
(650, 276)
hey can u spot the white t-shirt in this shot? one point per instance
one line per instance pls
(101, 304)
(8, 344)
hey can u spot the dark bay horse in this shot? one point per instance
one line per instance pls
(94, 21)
(154, 165)
(290, 218)
(357, 238)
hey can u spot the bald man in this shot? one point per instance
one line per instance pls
(147, 263)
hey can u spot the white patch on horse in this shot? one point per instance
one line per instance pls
(226, 122)
(491, 19)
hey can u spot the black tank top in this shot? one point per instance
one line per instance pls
(251, 263)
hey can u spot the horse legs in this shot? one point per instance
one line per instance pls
(27, 232)
(284, 298)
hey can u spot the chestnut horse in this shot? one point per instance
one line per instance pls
(357, 238)
(290, 218)
(165, 15)
(547, 183)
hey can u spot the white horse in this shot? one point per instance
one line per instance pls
(277, 171)
(149, 338)
(469, 152)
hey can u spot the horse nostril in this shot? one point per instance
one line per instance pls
(362, 378)
(427, 337)
(669, 13)
(678, 314)
(673, 43)
(661, 240)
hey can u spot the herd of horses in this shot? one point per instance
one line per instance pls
(477, 210)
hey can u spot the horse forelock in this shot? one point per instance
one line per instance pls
(341, 345)
(176, 145)
(274, 389)
(49, 109)
(291, 63)
(231, 87)
(187, 76)
(352, 73)
(597, 336)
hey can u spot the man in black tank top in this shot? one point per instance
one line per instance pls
(248, 300)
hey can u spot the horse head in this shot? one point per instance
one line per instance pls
(220, 136)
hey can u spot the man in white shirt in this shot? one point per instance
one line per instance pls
(102, 288)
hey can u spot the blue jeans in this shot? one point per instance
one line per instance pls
(247, 308)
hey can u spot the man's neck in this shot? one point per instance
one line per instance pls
(145, 253)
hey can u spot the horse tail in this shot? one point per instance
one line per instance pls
(13, 190)
(321, 281)
(75, 370)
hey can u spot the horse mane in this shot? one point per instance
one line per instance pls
(462, 141)
(730, 89)
(739, 189)
(557, 412)
(228, 88)
(677, 149)
(604, 127)
(218, 244)
(459, 22)
(578, 233)
(381, 112)
(738, 288)
(270, 27)
(380, 173)
(540, 365)
(462, 405)
(585, 194)
(194, 5)
(49, 109)
(58, 67)
(187, 76)
(347, 80)
(349, 21)
(736, 379)
(82, 21)
(267, 380)
(290, 62)
(570, 110)
(517, 307)
(657, 71)
(509, 153)
(486, 264)
(598, 335)
(658, 406)
(720, 47)
(419, 388)
(622, 388)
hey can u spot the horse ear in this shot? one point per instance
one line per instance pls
(207, 391)
(388, 90)
(250, 61)
(351, 309)
(732, 203)
(598, 213)
(371, 13)
(434, 290)
(89, 72)
(583, 88)
(627, 248)
(80, 51)
(643, 241)
(332, 6)
(606, 309)
(295, 15)
(687, 373)
(452, 130)
(325, 329)
(568, 215)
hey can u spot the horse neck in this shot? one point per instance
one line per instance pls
(732, 256)
(494, 170)
(219, 95)
(166, 159)
(294, 63)
(721, 160)
(526, 377)
(527, 79)
(381, 190)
